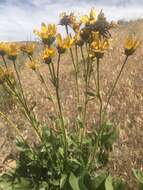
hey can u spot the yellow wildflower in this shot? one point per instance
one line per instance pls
(33, 64)
(3, 47)
(47, 33)
(12, 51)
(131, 44)
(47, 55)
(89, 19)
(63, 44)
(98, 46)
(28, 48)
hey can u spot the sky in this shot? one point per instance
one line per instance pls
(18, 18)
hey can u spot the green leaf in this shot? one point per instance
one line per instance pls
(139, 175)
(63, 180)
(73, 180)
(109, 138)
(99, 179)
(81, 183)
(6, 184)
(108, 183)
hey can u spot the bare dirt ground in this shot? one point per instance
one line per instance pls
(125, 110)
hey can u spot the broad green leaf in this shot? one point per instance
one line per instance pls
(108, 183)
(63, 180)
(81, 183)
(73, 180)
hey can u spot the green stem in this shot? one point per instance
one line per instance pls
(20, 85)
(95, 148)
(84, 62)
(55, 75)
(41, 78)
(5, 62)
(115, 83)
(32, 118)
(99, 93)
(75, 67)
(58, 69)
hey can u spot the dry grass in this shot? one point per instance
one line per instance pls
(125, 111)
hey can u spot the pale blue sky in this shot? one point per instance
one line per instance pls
(18, 18)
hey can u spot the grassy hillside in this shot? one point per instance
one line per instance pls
(125, 111)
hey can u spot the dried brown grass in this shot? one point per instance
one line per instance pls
(125, 111)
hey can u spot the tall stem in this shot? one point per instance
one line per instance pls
(115, 83)
(58, 69)
(95, 148)
(5, 62)
(75, 67)
(32, 118)
(20, 85)
(84, 62)
(99, 93)
(55, 75)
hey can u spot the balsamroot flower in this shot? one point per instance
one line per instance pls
(3, 48)
(64, 44)
(33, 64)
(48, 54)
(98, 46)
(131, 44)
(47, 33)
(89, 19)
(12, 51)
(70, 20)
(67, 20)
(28, 48)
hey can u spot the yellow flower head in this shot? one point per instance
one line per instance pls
(131, 44)
(47, 33)
(12, 51)
(89, 19)
(63, 44)
(33, 64)
(3, 48)
(28, 48)
(99, 46)
(47, 55)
